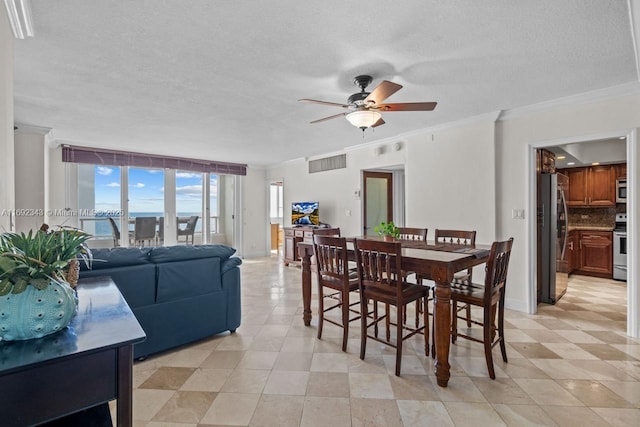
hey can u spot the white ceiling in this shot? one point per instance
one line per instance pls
(220, 79)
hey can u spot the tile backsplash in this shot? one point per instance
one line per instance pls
(593, 217)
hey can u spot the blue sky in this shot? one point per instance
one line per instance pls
(146, 190)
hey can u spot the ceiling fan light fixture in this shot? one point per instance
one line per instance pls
(363, 118)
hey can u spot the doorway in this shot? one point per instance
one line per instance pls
(378, 199)
(276, 216)
(579, 146)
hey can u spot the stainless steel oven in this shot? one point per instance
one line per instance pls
(620, 248)
(621, 191)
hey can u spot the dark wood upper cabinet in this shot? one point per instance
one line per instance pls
(602, 186)
(592, 186)
(621, 171)
(577, 187)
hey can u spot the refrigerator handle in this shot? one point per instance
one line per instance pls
(565, 226)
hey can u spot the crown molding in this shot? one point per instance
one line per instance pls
(40, 130)
(627, 89)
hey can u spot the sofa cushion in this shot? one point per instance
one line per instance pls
(181, 253)
(229, 264)
(118, 257)
(137, 283)
(185, 279)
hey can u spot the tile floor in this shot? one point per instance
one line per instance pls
(570, 364)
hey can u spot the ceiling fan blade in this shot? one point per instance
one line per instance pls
(380, 122)
(382, 92)
(329, 118)
(314, 101)
(408, 106)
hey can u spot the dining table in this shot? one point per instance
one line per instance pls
(433, 261)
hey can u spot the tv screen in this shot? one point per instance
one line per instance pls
(304, 213)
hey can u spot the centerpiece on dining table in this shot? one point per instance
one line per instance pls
(36, 298)
(388, 231)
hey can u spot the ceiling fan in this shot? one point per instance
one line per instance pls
(364, 108)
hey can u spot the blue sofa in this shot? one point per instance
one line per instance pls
(179, 294)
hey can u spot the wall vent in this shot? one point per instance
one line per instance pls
(328, 163)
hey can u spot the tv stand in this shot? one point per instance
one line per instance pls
(293, 236)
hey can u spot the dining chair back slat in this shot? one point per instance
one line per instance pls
(413, 233)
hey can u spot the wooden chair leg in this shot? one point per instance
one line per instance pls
(454, 321)
(425, 319)
(363, 324)
(487, 327)
(399, 327)
(345, 319)
(503, 347)
(320, 310)
(387, 321)
(468, 315)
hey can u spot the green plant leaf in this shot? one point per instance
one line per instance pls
(20, 285)
(5, 287)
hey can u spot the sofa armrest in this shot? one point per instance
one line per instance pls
(229, 263)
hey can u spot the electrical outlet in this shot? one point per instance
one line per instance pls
(517, 213)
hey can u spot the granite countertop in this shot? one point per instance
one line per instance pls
(589, 228)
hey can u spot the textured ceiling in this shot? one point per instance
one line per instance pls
(220, 79)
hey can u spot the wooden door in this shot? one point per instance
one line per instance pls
(577, 187)
(378, 199)
(602, 186)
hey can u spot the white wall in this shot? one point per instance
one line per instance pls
(7, 190)
(29, 179)
(335, 190)
(254, 214)
(449, 181)
(514, 136)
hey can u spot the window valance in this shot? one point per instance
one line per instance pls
(98, 156)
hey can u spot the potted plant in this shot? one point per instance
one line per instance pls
(387, 230)
(35, 296)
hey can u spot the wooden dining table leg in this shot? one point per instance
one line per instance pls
(305, 257)
(442, 328)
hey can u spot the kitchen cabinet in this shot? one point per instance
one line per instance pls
(621, 171)
(596, 253)
(293, 236)
(573, 239)
(547, 161)
(592, 186)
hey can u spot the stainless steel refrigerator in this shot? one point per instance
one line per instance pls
(554, 254)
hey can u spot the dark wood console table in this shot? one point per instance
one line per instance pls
(87, 364)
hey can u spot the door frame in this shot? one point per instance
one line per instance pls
(376, 174)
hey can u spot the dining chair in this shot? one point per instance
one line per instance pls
(160, 235)
(334, 232)
(491, 298)
(189, 229)
(414, 234)
(115, 232)
(333, 274)
(381, 281)
(459, 237)
(144, 229)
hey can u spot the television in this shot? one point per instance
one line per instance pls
(304, 213)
